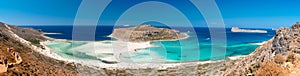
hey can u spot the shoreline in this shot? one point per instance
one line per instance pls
(120, 64)
(48, 52)
(125, 65)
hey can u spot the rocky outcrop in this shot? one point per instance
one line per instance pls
(278, 56)
(144, 33)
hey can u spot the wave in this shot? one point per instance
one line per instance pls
(258, 43)
(52, 33)
(246, 44)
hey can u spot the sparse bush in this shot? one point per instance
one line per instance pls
(35, 41)
(254, 67)
(291, 58)
(280, 59)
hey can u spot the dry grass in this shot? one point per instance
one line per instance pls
(271, 69)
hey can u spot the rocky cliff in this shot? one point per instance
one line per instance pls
(144, 33)
(277, 57)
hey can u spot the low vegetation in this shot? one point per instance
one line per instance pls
(271, 69)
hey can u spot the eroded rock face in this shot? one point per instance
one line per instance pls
(282, 52)
(144, 33)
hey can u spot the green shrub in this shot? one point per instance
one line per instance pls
(35, 42)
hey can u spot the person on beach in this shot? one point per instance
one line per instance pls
(17, 55)
(18, 58)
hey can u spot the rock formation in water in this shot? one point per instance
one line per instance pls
(144, 33)
(280, 56)
(236, 29)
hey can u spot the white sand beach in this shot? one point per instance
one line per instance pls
(122, 47)
(236, 57)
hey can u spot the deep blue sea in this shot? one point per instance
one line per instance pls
(195, 48)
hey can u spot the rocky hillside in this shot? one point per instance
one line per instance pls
(33, 63)
(280, 56)
(277, 57)
(146, 33)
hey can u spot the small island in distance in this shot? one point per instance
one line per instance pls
(236, 29)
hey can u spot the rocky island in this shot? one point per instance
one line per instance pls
(236, 29)
(145, 33)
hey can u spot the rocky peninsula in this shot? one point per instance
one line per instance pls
(144, 33)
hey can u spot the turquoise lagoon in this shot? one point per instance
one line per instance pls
(197, 47)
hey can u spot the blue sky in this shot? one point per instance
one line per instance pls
(241, 13)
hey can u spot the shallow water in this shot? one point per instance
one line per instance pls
(197, 47)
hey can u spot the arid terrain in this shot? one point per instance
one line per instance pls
(33, 63)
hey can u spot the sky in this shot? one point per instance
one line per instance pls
(239, 13)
